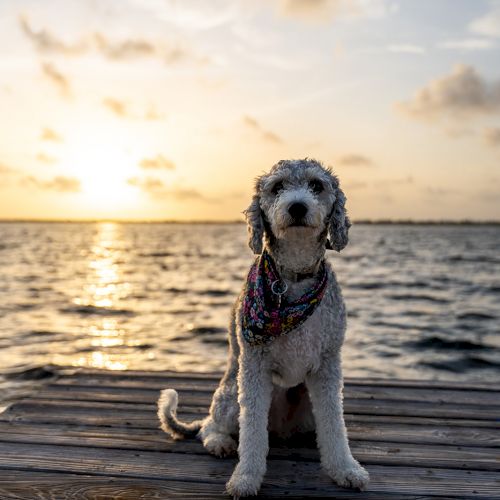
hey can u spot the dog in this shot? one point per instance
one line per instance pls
(286, 332)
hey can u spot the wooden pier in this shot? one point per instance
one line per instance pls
(90, 434)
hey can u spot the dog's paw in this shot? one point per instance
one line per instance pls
(243, 485)
(352, 476)
(220, 445)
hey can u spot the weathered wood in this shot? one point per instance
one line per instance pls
(380, 453)
(215, 376)
(97, 390)
(94, 434)
(357, 406)
(20, 485)
(143, 417)
(152, 465)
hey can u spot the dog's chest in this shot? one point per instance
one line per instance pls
(294, 355)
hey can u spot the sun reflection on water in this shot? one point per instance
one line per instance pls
(104, 290)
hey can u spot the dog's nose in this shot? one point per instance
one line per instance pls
(297, 210)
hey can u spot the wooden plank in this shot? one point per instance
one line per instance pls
(357, 406)
(81, 386)
(215, 376)
(20, 485)
(108, 415)
(40, 411)
(381, 453)
(205, 469)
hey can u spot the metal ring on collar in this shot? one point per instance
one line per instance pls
(285, 288)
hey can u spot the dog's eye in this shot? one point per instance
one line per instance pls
(316, 186)
(277, 187)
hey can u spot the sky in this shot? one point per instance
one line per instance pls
(169, 109)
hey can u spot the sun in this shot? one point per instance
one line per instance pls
(103, 169)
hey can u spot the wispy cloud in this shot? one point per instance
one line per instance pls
(437, 192)
(46, 42)
(355, 160)
(196, 15)
(45, 158)
(123, 109)
(117, 106)
(325, 10)
(158, 190)
(169, 51)
(4, 169)
(463, 92)
(152, 114)
(396, 181)
(158, 162)
(59, 183)
(467, 44)
(267, 135)
(491, 136)
(489, 24)
(406, 48)
(49, 134)
(57, 78)
(124, 49)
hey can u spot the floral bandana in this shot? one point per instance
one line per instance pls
(266, 315)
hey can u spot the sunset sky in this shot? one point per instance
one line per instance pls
(164, 109)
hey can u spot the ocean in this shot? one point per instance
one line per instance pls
(423, 300)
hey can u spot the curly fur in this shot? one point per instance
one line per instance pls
(294, 384)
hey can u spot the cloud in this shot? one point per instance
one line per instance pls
(57, 78)
(59, 183)
(157, 189)
(489, 24)
(122, 109)
(264, 134)
(467, 44)
(394, 181)
(157, 162)
(406, 48)
(4, 169)
(116, 106)
(152, 114)
(46, 42)
(355, 160)
(49, 134)
(312, 9)
(437, 191)
(125, 49)
(45, 158)
(491, 136)
(139, 48)
(461, 93)
(325, 10)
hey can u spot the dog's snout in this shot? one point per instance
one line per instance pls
(297, 210)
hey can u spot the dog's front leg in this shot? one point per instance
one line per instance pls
(325, 390)
(254, 397)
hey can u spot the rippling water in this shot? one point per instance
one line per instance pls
(423, 301)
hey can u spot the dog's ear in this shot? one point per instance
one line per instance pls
(255, 225)
(339, 223)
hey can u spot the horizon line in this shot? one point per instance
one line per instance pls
(240, 221)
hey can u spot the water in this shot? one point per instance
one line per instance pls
(423, 301)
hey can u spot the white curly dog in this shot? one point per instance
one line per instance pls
(293, 383)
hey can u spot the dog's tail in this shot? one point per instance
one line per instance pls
(167, 409)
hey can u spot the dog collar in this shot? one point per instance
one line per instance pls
(297, 277)
(266, 311)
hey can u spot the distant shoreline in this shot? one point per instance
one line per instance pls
(380, 222)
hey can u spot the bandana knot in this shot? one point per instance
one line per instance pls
(267, 313)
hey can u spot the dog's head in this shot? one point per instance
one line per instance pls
(298, 198)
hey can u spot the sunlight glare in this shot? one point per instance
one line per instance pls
(103, 169)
